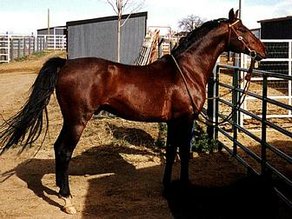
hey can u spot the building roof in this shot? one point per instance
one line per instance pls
(276, 19)
(103, 19)
(55, 27)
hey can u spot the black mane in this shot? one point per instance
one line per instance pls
(196, 34)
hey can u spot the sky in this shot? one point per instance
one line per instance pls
(26, 16)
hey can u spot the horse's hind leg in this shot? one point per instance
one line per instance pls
(64, 146)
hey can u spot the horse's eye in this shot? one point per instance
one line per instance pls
(243, 30)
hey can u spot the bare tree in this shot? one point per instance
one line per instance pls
(120, 7)
(190, 23)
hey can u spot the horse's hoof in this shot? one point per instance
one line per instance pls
(69, 210)
(68, 207)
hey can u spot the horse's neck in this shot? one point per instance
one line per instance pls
(201, 58)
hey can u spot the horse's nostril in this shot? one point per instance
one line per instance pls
(253, 54)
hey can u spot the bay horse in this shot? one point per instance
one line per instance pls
(153, 93)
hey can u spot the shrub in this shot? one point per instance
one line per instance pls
(201, 142)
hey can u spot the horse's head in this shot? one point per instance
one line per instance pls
(242, 40)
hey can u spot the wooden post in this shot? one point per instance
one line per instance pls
(24, 49)
(29, 47)
(38, 43)
(18, 48)
(11, 49)
(45, 42)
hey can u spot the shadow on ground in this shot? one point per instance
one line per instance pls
(117, 189)
(249, 197)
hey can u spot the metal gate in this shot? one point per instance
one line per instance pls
(263, 145)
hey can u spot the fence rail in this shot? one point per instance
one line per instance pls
(15, 46)
(262, 154)
(4, 48)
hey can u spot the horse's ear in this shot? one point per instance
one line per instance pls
(236, 14)
(232, 16)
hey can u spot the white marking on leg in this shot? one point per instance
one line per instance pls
(68, 206)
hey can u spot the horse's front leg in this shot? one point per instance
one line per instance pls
(64, 147)
(179, 133)
(184, 153)
(170, 154)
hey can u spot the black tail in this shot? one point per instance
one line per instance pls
(26, 126)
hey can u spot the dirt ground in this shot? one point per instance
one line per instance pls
(117, 169)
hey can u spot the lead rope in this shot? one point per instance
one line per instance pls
(185, 82)
(238, 104)
(240, 100)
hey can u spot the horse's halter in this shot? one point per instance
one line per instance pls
(252, 54)
(231, 29)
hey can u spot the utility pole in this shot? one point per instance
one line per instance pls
(237, 56)
(238, 119)
(48, 21)
(239, 14)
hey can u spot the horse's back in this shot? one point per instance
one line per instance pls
(143, 93)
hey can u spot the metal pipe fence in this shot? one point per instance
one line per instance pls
(262, 144)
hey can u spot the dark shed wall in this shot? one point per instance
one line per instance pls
(277, 29)
(132, 37)
(98, 38)
(93, 39)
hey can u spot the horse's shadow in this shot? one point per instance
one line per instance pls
(249, 197)
(32, 173)
(94, 161)
(99, 160)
